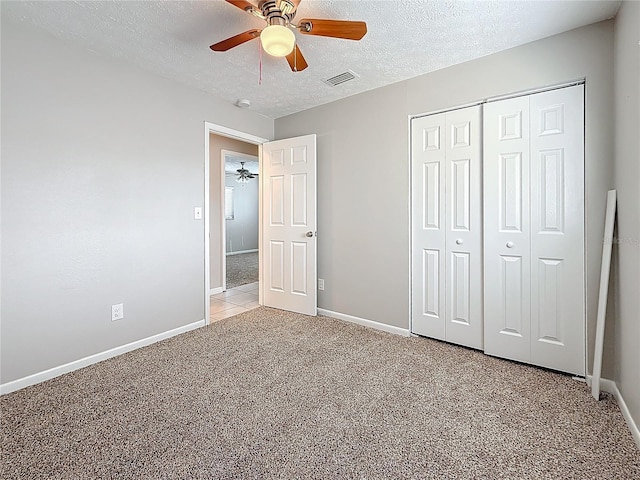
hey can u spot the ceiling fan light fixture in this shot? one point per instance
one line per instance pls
(244, 175)
(278, 40)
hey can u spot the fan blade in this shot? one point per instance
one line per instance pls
(296, 60)
(333, 28)
(234, 41)
(242, 4)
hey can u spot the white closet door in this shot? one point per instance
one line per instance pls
(447, 223)
(428, 200)
(557, 230)
(463, 222)
(507, 247)
(534, 229)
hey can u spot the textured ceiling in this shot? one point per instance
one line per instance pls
(405, 39)
(232, 164)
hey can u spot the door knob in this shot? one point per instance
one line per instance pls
(509, 244)
(459, 241)
(308, 234)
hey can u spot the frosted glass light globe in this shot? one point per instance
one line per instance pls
(277, 40)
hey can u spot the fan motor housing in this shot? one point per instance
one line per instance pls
(275, 14)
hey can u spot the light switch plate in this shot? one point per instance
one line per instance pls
(197, 213)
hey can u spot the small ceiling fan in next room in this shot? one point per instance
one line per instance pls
(244, 175)
(278, 38)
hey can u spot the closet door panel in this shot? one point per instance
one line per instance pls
(428, 228)
(557, 220)
(507, 273)
(463, 211)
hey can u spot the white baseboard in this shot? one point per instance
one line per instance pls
(610, 386)
(363, 321)
(90, 360)
(215, 291)
(242, 251)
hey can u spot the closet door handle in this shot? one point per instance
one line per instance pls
(509, 244)
(459, 241)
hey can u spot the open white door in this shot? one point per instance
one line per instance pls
(289, 224)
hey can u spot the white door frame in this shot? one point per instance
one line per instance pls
(223, 131)
(223, 178)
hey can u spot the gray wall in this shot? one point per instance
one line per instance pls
(217, 143)
(102, 164)
(242, 231)
(626, 265)
(363, 166)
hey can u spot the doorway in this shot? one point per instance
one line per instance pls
(241, 218)
(288, 268)
(240, 226)
(238, 146)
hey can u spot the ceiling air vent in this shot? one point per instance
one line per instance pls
(340, 78)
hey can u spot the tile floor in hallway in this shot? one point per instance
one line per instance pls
(233, 301)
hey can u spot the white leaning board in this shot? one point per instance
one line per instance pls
(607, 244)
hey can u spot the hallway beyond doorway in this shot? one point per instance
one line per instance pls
(233, 301)
(242, 269)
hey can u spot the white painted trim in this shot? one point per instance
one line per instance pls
(223, 221)
(502, 97)
(242, 251)
(207, 226)
(364, 322)
(210, 128)
(260, 220)
(610, 386)
(547, 88)
(91, 359)
(448, 109)
(237, 134)
(215, 291)
(410, 209)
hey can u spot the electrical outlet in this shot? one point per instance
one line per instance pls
(321, 284)
(117, 312)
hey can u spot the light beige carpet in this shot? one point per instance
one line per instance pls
(269, 394)
(242, 269)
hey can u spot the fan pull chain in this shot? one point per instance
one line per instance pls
(260, 55)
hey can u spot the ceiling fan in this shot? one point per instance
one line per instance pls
(277, 37)
(244, 175)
